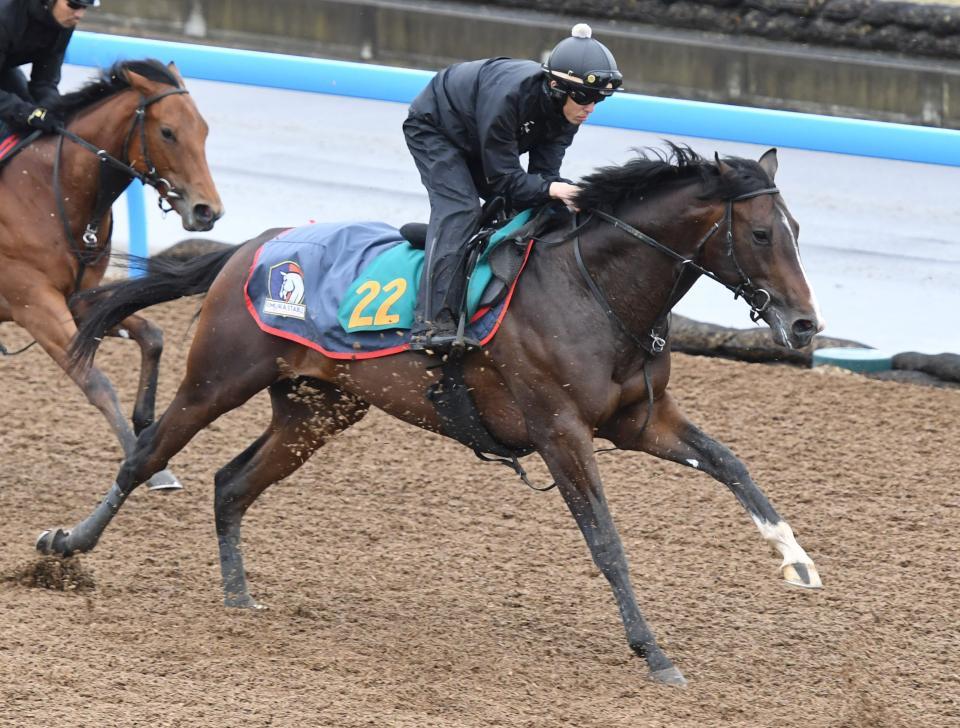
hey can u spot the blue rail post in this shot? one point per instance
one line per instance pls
(136, 211)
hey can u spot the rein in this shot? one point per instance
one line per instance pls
(757, 298)
(107, 192)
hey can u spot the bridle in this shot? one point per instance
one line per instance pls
(108, 189)
(758, 298)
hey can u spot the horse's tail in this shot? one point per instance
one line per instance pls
(166, 280)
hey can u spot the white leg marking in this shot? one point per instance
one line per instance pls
(693, 463)
(123, 334)
(781, 537)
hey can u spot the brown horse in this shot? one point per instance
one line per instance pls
(135, 121)
(581, 353)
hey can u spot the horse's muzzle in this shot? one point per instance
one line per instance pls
(199, 217)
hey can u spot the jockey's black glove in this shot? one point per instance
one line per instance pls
(44, 120)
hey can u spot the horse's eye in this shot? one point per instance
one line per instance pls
(167, 133)
(761, 237)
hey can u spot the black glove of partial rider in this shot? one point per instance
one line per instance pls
(44, 120)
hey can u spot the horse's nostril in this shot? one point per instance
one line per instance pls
(203, 213)
(804, 328)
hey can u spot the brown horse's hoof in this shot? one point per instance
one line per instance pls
(669, 676)
(801, 575)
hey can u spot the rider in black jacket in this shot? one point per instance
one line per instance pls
(35, 32)
(466, 131)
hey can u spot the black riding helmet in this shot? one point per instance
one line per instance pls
(583, 68)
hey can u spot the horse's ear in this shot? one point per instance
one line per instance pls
(172, 67)
(721, 165)
(768, 162)
(141, 83)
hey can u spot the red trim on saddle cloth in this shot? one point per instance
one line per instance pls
(7, 144)
(379, 352)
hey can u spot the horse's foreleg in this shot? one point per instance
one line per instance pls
(303, 419)
(671, 436)
(50, 322)
(568, 452)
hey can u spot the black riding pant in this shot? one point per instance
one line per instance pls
(454, 218)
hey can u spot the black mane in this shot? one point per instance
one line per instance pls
(609, 186)
(112, 81)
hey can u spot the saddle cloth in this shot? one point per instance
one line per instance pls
(348, 290)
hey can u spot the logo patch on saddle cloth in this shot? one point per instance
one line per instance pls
(285, 291)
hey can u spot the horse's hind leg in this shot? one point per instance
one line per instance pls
(149, 338)
(201, 398)
(671, 436)
(304, 417)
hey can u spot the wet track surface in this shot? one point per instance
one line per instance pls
(411, 585)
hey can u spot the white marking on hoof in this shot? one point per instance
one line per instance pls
(693, 463)
(796, 564)
(669, 676)
(40, 545)
(794, 574)
(165, 480)
(123, 333)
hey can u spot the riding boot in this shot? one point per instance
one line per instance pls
(443, 332)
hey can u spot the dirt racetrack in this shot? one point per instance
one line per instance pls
(403, 594)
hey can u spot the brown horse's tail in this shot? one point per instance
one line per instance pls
(167, 280)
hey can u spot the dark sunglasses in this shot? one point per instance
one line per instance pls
(585, 97)
(76, 6)
(597, 85)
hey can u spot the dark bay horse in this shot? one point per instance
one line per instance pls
(135, 120)
(581, 353)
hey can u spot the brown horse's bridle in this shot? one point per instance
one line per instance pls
(107, 192)
(757, 298)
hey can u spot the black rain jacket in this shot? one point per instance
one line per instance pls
(494, 110)
(29, 34)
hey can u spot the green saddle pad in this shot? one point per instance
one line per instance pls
(384, 295)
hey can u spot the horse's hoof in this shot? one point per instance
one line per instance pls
(669, 676)
(164, 480)
(802, 575)
(53, 542)
(245, 602)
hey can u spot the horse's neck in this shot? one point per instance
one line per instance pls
(641, 282)
(82, 174)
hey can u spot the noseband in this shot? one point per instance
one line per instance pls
(757, 298)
